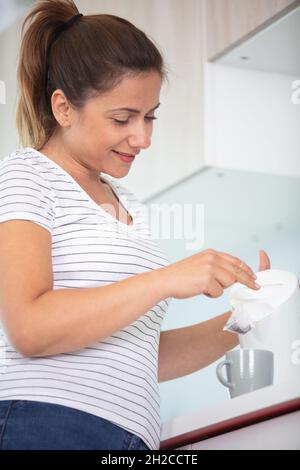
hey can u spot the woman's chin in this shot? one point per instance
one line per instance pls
(118, 172)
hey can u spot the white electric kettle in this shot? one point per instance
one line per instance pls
(278, 330)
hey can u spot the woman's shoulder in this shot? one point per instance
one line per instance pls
(23, 165)
(23, 156)
(15, 161)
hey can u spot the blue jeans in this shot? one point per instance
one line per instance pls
(30, 425)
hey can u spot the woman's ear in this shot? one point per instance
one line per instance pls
(61, 108)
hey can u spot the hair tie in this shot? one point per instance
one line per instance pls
(66, 25)
(72, 20)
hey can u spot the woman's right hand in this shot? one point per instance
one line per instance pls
(208, 272)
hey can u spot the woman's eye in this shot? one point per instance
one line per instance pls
(118, 121)
(151, 118)
(147, 118)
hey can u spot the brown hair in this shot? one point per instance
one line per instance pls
(83, 58)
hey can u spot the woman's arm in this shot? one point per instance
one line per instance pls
(65, 320)
(183, 351)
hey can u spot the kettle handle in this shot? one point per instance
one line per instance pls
(220, 375)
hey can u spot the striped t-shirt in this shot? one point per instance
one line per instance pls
(116, 378)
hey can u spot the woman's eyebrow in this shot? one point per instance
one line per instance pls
(131, 110)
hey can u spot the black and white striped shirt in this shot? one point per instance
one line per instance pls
(116, 378)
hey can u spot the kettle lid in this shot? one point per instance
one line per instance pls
(276, 287)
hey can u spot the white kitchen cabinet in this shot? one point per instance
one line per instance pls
(252, 107)
(229, 22)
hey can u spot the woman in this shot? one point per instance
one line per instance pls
(83, 287)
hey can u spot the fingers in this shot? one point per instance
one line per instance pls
(231, 269)
(238, 264)
(223, 278)
(227, 276)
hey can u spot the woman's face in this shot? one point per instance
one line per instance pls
(120, 120)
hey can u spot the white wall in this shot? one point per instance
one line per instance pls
(10, 10)
(8, 65)
(252, 123)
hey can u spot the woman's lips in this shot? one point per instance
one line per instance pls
(125, 157)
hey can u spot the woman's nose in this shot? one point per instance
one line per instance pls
(141, 138)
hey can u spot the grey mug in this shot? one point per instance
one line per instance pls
(247, 370)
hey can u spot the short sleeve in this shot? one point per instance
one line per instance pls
(24, 193)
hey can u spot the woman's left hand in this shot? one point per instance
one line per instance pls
(264, 261)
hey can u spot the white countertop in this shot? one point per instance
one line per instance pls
(225, 411)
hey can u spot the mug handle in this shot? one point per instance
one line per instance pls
(220, 375)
